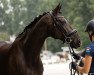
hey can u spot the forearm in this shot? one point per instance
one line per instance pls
(82, 70)
(87, 62)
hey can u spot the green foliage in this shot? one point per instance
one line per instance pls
(4, 36)
(54, 45)
(16, 14)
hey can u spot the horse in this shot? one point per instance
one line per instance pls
(22, 57)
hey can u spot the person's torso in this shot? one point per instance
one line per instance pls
(90, 51)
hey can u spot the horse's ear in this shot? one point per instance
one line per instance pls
(57, 9)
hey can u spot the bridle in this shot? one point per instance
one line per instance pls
(59, 25)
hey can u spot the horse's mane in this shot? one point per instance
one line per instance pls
(32, 24)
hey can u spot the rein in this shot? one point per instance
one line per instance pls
(71, 50)
(59, 25)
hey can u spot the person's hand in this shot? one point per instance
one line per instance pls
(73, 65)
(76, 56)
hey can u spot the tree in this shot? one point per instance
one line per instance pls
(16, 14)
(13, 16)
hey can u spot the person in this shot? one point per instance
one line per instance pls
(88, 59)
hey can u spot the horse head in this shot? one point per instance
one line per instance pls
(59, 28)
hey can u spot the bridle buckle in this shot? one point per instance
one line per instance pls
(68, 40)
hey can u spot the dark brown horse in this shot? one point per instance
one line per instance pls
(22, 57)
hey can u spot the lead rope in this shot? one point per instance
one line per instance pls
(72, 71)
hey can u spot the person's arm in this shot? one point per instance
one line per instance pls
(87, 63)
(83, 60)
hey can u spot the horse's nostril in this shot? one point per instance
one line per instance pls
(79, 42)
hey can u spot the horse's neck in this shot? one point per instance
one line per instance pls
(34, 42)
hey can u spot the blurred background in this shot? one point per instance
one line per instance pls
(16, 14)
